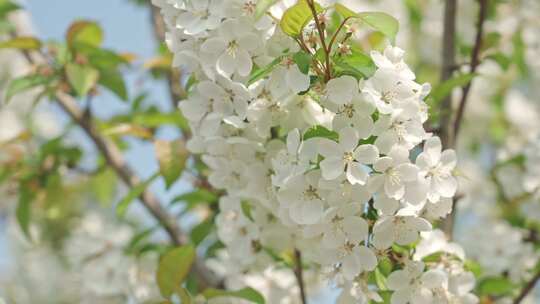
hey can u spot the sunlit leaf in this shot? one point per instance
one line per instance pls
(320, 131)
(7, 6)
(303, 60)
(247, 293)
(297, 17)
(19, 85)
(444, 89)
(24, 211)
(172, 157)
(134, 193)
(84, 32)
(173, 269)
(113, 80)
(197, 196)
(201, 231)
(21, 43)
(378, 21)
(495, 286)
(262, 7)
(81, 77)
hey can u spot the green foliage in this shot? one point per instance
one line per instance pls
(21, 43)
(297, 17)
(81, 77)
(201, 231)
(173, 269)
(260, 73)
(25, 83)
(378, 21)
(6, 7)
(24, 211)
(172, 157)
(442, 90)
(247, 293)
(495, 286)
(84, 33)
(303, 60)
(358, 65)
(320, 131)
(134, 193)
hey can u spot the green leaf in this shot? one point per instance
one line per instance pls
(172, 157)
(262, 7)
(113, 80)
(444, 89)
(201, 231)
(320, 131)
(197, 196)
(24, 211)
(303, 60)
(84, 32)
(246, 209)
(247, 293)
(6, 7)
(82, 78)
(173, 268)
(495, 286)
(19, 85)
(473, 267)
(380, 279)
(184, 295)
(135, 192)
(378, 21)
(296, 17)
(358, 64)
(260, 73)
(21, 43)
(104, 186)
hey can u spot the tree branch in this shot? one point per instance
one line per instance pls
(527, 288)
(299, 274)
(448, 63)
(475, 61)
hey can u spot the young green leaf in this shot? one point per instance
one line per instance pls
(357, 64)
(82, 78)
(21, 43)
(201, 231)
(173, 268)
(378, 21)
(262, 7)
(113, 80)
(296, 17)
(19, 85)
(84, 32)
(172, 157)
(197, 196)
(320, 131)
(444, 89)
(303, 60)
(24, 211)
(260, 73)
(247, 293)
(495, 286)
(135, 192)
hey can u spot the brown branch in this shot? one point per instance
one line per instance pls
(174, 76)
(448, 63)
(475, 61)
(527, 288)
(320, 29)
(299, 274)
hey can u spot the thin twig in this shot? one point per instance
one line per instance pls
(320, 29)
(527, 288)
(337, 32)
(299, 274)
(475, 61)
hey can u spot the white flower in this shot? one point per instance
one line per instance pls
(200, 16)
(393, 172)
(437, 167)
(347, 156)
(303, 198)
(288, 79)
(412, 285)
(392, 59)
(342, 90)
(234, 46)
(352, 259)
(391, 130)
(339, 226)
(402, 230)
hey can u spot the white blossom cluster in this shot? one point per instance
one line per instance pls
(341, 171)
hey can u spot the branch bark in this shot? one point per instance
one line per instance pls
(527, 289)
(475, 61)
(299, 274)
(448, 63)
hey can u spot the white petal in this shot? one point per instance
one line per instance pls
(356, 228)
(332, 167)
(367, 258)
(397, 280)
(366, 154)
(348, 139)
(296, 80)
(445, 186)
(329, 148)
(356, 174)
